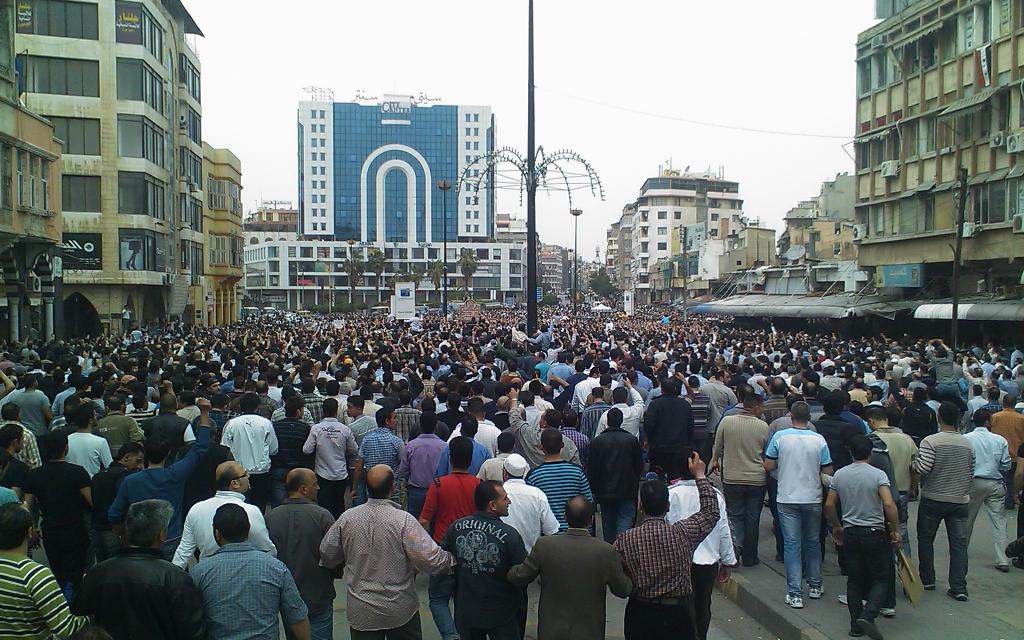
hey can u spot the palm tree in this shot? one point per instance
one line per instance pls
(376, 263)
(436, 275)
(354, 267)
(467, 265)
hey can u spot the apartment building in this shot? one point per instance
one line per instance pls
(272, 220)
(121, 85)
(938, 89)
(220, 289)
(822, 226)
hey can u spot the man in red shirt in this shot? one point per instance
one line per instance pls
(449, 498)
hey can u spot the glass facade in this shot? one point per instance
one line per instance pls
(359, 132)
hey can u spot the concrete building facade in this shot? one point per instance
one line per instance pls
(121, 85)
(30, 205)
(219, 298)
(272, 220)
(822, 226)
(938, 89)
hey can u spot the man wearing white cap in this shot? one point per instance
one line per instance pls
(529, 512)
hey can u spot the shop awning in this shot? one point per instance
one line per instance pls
(884, 133)
(1010, 311)
(782, 306)
(970, 102)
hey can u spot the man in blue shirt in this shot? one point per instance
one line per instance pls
(991, 462)
(163, 482)
(380, 446)
(244, 588)
(481, 453)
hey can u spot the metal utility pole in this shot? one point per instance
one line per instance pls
(958, 227)
(576, 213)
(531, 189)
(686, 270)
(444, 186)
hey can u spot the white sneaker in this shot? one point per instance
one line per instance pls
(796, 602)
(888, 613)
(842, 599)
(815, 593)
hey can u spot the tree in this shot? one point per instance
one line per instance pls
(436, 276)
(467, 265)
(601, 284)
(354, 268)
(376, 263)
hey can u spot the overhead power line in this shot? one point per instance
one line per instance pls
(702, 123)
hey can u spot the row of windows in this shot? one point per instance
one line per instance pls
(475, 131)
(313, 114)
(136, 80)
(141, 193)
(188, 75)
(315, 142)
(190, 212)
(139, 137)
(32, 179)
(414, 253)
(190, 165)
(80, 135)
(191, 257)
(58, 18)
(475, 146)
(472, 117)
(62, 76)
(224, 194)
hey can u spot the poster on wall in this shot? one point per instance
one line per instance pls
(404, 301)
(83, 251)
(128, 23)
(24, 16)
(627, 302)
(132, 255)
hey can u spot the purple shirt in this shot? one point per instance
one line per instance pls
(420, 461)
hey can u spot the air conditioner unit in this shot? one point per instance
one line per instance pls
(1015, 143)
(998, 139)
(1018, 223)
(183, 121)
(860, 231)
(970, 230)
(35, 285)
(890, 168)
(944, 150)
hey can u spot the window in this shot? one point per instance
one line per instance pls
(6, 199)
(476, 146)
(138, 137)
(476, 228)
(469, 199)
(663, 215)
(967, 30)
(662, 231)
(323, 157)
(219, 249)
(80, 135)
(22, 159)
(468, 117)
(141, 250)
(947, 40)
(322, 115)
(190, 166)
(714, 217)
(188, 75)
(468, 129)
(61, 76)
(137, 81)
(33, 164)
(476, 131)
(44, 183)
(58, 18)
(476, 117)
(926, 135)
(468, 145)
(195, 127)
(662, 246)
(140, 193)
(678, 215)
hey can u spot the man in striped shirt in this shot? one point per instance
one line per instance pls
(558, 478)
(946, 465)
(31, 604)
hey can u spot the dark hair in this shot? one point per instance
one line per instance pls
(485, 493)
(552, 418)
(249, 402)
(128, 449)
(232, 522)
(876, 413)
(330, 408)
(383, 415)
(981, 418)
(578, 512)
(833, 404)
(292, 405)
(860, 447)
(460, 451)
(506, 442)
(752, 401)
(682, 462)
(10, 411)
(551, 441)
(157, 450)
(56, 442)
(654, 497)
(619, 395)
(114, 402)
(9, 433)
(475, 406)
(356, 401)
(949, 414)
(15, 521)
(82, 415)
(614, 418)
(428, 422)
(469, 427)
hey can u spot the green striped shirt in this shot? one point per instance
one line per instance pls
(31, 603)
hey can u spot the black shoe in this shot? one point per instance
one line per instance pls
(779, 558)
(868, 628)
(929, 587)
(959, 597)
(855, 634)
(752, 563)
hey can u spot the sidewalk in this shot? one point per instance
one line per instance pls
(994, 612)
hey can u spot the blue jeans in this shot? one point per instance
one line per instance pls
(616, 517)
(360, 497)
(956, 516)
(417, 497)
(903, 506)
(744, 503)
(440, 590)
(801, 524)
(321, 626)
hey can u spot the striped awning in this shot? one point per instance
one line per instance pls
(970, 102)
(1009, 311)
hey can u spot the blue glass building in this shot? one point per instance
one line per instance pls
(369, 172)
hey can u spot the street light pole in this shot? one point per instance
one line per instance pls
(576, 213)
(444, 186)
(531, 189)
(351, 283)
(958, 227)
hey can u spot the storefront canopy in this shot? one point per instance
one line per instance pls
(780, 306)
(1008, 311)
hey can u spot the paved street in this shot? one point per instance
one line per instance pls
(994, 611)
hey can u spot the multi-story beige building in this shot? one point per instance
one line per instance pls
(121, 85)
(938, 88)
(221, 289)
(273, 220)
(553, 266)
(611, 251)
(823, 225)
(30, 207)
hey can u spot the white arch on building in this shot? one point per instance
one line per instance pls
(427, 190)
(410, 186)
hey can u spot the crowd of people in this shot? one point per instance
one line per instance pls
(188, 482)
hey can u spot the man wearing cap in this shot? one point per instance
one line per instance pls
(528, 512)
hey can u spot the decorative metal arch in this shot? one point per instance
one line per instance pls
(562, 171)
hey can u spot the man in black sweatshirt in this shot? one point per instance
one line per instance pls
(668, 427)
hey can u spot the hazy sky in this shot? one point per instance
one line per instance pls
(783, 66)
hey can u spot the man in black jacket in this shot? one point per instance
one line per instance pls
(838, 433)
(138, 594)
(614, 465)
(668, 427)
(104, 490)
(169, 426)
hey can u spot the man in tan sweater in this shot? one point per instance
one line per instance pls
(739, 453)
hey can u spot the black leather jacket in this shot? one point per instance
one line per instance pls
(137, 594)
(614, 465)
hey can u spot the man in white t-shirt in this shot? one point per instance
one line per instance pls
(801, 456)
(86, 449)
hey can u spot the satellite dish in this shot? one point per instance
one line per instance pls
(794, 253)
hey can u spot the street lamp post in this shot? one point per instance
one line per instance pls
(351, 288)
(576, 213)
(444, 186)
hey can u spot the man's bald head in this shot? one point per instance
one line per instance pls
(301, 483)
(502, 403)
(380, 482)
(579, 512)
(228, 472)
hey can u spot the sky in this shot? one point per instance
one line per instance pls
(622, 84)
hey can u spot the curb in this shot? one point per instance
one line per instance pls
(739, 590)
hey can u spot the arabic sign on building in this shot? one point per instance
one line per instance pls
(900, 275)
(470, 310)
(128, 23)
(395, 109)
(83, 251)
(24, 11)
